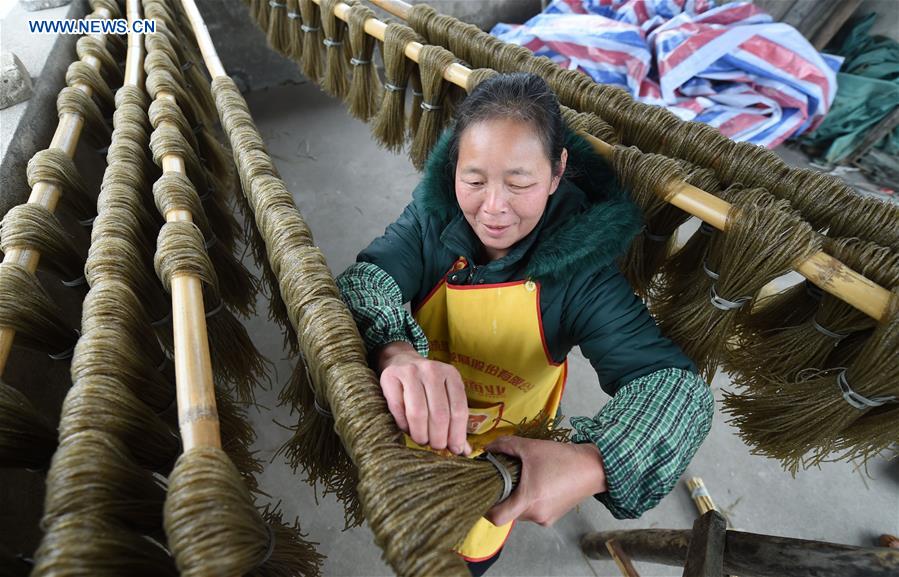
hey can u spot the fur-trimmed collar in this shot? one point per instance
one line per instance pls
(590, 219)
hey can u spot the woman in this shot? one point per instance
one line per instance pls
(507, 255)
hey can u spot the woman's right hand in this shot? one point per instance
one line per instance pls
(426, 398)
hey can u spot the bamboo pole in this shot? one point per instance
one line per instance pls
(197, 415)
(65, 138)
(134, 57)
(826, 272)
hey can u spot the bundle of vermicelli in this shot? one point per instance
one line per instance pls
(772, 348)
(53, 166)
(873, 433)
(118, 341)
(26, 308)
(26, 440)
(389, 125)
(809, 417)
(34, 227)
(93, 472)
(588, 123)
(365, 87)
(103, 403)
(647, 177)
(312, 39)
(213, 527)
(294, 25)
(88, 544)
(417, 98)
(278, 32)
(436, 106)
(759, 244)
(334, 81)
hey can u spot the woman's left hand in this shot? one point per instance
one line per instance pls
(555, 477)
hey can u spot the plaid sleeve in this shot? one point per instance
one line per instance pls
(376, 302)
(647, 435)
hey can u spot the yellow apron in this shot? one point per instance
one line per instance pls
(493, 335)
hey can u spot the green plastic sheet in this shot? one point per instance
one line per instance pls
(868, 92)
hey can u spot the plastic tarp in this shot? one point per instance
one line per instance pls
(869, 91)
(731, 66)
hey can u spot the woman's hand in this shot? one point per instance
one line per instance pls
(426, 398)
(554, 478)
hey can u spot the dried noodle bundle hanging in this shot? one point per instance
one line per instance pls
(801, 421)
(389, 125)
(334, 81)
(365, 88)
(312, 40)
(759, 244)
(779, 351)
(25, 439)
(436, 108)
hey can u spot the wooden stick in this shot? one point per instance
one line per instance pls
(828, 273)
(751, 554)
(65, 138)
(621, 559)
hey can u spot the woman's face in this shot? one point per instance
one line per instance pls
(503, 181)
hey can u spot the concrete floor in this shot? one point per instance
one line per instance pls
(348, 190)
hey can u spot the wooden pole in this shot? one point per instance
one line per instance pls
(828, 273)
(751, 554)
(65, 138)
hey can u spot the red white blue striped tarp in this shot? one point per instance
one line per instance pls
(731, 66)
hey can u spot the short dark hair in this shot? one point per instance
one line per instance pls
(521, 96)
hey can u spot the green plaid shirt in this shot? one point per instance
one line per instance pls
(647, 434)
